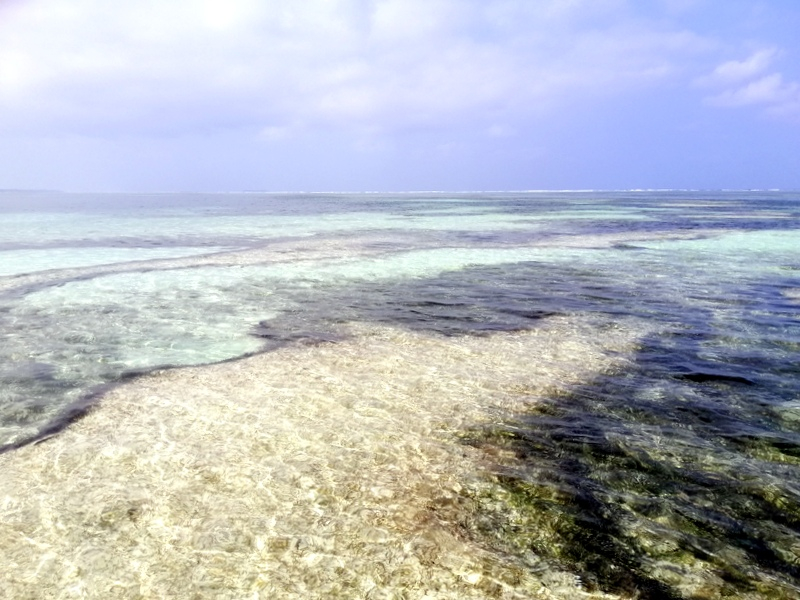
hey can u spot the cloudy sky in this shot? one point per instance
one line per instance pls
(319, 95)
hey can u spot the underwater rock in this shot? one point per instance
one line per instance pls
(710, 376)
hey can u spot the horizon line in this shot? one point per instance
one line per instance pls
(399, 192)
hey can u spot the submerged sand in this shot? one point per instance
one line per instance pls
(323, 471)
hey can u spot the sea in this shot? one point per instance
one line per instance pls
(657, 456)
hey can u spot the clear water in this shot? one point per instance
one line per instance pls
(688, 459)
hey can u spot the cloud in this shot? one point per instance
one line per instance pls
(768, 90)
(749, 83)
(152, 67)
(735, 71)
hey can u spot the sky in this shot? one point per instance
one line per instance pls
(399, 95)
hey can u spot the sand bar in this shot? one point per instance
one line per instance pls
(320, 471)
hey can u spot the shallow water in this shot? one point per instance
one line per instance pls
(672, 474)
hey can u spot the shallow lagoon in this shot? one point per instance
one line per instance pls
(588, 393)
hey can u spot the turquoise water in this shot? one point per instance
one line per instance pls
(689, 457)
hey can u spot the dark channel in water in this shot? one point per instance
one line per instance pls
(675, 479)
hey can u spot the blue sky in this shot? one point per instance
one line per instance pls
(314, 95)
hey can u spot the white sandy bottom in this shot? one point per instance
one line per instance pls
(311, 472)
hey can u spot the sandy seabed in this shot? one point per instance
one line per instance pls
(332, 470)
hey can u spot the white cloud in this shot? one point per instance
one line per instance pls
(769, 90)
(748, 83)
(736, 71)
(164, 67)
